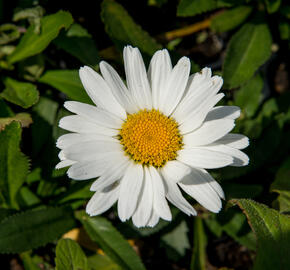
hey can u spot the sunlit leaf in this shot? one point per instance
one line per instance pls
(272, 5)
(32, 43)
(8, 33)
(247, 50)
(14, 164)
(103, 262)
(123, 30)
(111, 241)
(32, 229)
(272, 231)
(20, 93)
(23, 118)
(69, 255)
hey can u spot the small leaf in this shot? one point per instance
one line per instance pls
(77, 42)
(69, 255)
(68, 82)
(111, 241)
(272, 232)
(177, 239)
(8, 33)
(123, 30)
(281, 185)
(249, 95)
(272, 5)
(284, 29)
(192, 7)
(32, 43)
(230, 19)
(247, 50)
(102, 262)
(23, 118)
(20, 93)
(14, 164)
(198, 259)
(32, 229)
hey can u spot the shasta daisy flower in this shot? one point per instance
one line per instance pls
(148, 140)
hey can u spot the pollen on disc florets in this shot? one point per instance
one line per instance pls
(150, 138)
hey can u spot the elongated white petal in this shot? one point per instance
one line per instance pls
(136, 77)
(99, 92)
(174, 170)
(160, 204)
(76, 123)
(223, 112)
(118, 88)
(144, 208)
(197, 186)
(239, 158)
(130, 187)
(69, 139)
(238, 141)
(64, 163)
(115, 173)
(102, 201)
(204, 158)
(173, 92)
(197, 116)
(208, 132)
(158, 74)
(175, 197)
(94, 114)
(92, 149)
(153, 219)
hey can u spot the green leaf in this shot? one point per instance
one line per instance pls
(272, 5)
(198, 259)
(247, 50)
(249, 95)
(20, 93)
(102, 262)
(111, 241)
(31, 262)
(14, 164)
(32, 43)
(272, 232)
(284, 29)
(8, 33)
(77, 42)
(123, 30)
(69, 255)
(177, 239)
(32, 229)
(68, 82)
(281, 185)
(27, 198)
(193, 7)
(230, 19)
(23, 118)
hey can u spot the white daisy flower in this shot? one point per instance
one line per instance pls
(148, 140)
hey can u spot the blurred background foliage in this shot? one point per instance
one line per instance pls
(42, 46)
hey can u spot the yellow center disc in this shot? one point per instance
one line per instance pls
(150, 138)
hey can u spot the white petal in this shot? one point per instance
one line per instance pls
(174, 170)
(64, 163)
(208, 132)
(102, 201)
(197, 186)
(175, 197)
(238, 141)
(92, 149)
(153, 219)
(204, 158)
(144, 208)
(160, 204)
(76, 123)
(136, 77)
(99, 92)
(239, 158)
(94, 114)
(158, 74)
(130, 187)
(69, 139)
(199, 90)
(118, 88)
(173, 92)
(193, 120)
(220, 112)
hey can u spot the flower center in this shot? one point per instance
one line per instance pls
(150, 138)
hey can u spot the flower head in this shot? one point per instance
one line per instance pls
(147, 140)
